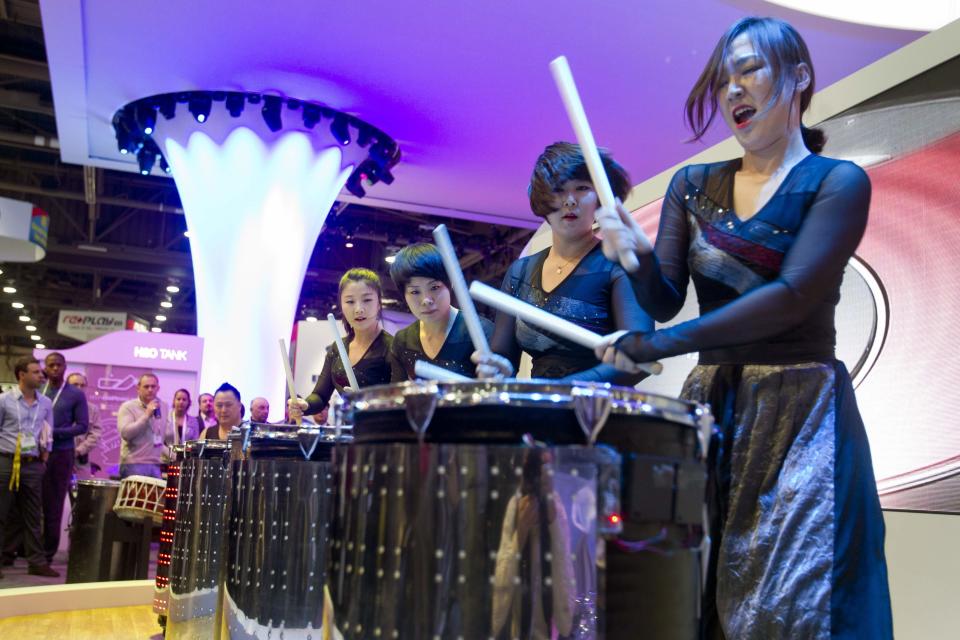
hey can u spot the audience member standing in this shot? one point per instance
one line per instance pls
(206, 410)
(259, 410)
(145, 430)
(70, 420)
(87, 443)
(24, 416)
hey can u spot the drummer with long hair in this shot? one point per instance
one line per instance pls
(572, 279)
(367, 343)
(797, 531)
(439, 334)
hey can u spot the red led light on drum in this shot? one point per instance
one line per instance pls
(614, 518)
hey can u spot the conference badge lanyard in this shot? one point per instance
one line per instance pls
(23, 442)
(56, 397)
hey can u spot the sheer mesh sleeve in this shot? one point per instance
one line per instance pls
(323, 390)
(660, 284)
(504, 338)
(810, 274)
(627, 315)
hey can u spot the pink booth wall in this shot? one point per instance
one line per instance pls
(113, 364)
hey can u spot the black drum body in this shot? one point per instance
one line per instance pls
(281, 518)
(95, 499)
(161, 592)
(519, 509)
(199, 541)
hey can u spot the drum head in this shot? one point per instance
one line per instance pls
(306, 443)
(503, 412)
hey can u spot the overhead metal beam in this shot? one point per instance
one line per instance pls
(24, 68)
(80, 197)
(23, 101)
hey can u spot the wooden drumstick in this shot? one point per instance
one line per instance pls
(427, 371)
(545, 320)
(459, 285)
(588, 147)
(291, 389)
(342, 349)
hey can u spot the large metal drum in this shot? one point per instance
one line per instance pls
(280, 522)
(161, 590)
(199, 541)
(447, 493)
(473, 510)
(94, 504)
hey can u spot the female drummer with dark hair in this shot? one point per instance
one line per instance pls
(367, 344)
(572, 279)
(439, 334)
(797, 530)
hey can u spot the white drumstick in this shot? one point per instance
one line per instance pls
(342, 350)
(285, 356)
(428, 371)
(588, 147)
(545, 320)
(459, 285)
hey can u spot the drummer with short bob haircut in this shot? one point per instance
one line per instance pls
(439, 334)
(571, 279)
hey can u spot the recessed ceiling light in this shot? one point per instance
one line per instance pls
(311, 318)
(172, 288)
(9, 290)
(24, 318)
(348, 245)
(390, 259)
(166, 304)
(30, 327)
(156, 330)
(36, 338)
(16, 305)
(41, 346)
(161, 317)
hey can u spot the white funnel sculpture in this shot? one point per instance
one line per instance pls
(254, 210)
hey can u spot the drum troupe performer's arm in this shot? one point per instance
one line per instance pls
(811, 270)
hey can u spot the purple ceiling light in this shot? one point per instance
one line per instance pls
(257, 175)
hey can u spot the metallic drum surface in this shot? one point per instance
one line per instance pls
(473, 510)
(94, 503)
(469, 541)
(161, 592)
(199, 541)
(280, 522)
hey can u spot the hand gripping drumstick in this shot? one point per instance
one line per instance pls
(286, 369)
(545, 320)
(578, 118)
(342, 350)
(459, 285)
(427, 371)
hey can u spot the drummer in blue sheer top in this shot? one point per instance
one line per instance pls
(572, 279)
(796, 523)
(439, 334)
(368, 344)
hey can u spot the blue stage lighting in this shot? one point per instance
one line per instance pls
(271, 112)
(311, 115)
(147, 117)
(340, 130)
(235, 103)
(200, 105)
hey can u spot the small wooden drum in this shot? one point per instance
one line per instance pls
(141, 498)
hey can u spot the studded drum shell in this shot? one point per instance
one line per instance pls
(95, 499)
(280, 521)
(161, 591)
(199, 541)
(662, 501)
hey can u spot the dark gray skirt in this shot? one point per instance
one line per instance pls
(796, 527)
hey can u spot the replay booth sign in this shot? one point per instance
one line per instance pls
(87, 325)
